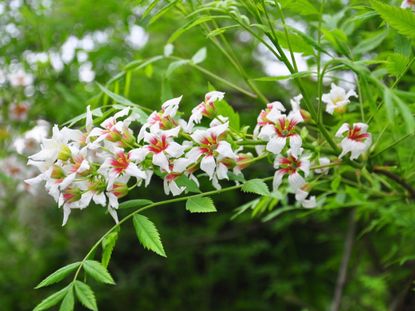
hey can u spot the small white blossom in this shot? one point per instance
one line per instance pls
(337, 99)
(357, 140)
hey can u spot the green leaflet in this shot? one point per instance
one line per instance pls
(68, 303)
(226, 110)
(400, 19)
(200, 205)
(135, 203)
(148, 235)
(85, 295)
(51, 300)
(108, 245)
(96, 270)
(58, 275)
(256, 186)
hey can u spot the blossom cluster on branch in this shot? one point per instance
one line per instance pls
(103, 163)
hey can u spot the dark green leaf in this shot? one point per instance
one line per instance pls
(184, 181)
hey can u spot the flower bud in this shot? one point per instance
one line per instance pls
(71, 195)
(120, 189)
(306, 115)
(243, 160)
(57, 172)
(65, 153)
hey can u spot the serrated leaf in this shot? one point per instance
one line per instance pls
(200, 56)
(68, 303)
(86, 295)
(52, 300)
(303, 7)
(96, 270)
(148, 235)
(135, 203)
(108, 245)
(400, 19)
(200, 205)
(184, 181)
(226, 110)
(372, 42)
(58, 275)
(256, 186)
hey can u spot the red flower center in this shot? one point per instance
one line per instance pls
(158, 145)
(285, 127)
(355, 134)
(290, 164)
(120, 162)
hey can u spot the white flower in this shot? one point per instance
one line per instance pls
(170, 107)
(301, 197)
(19, 111)
(291, 165)
(20, 78)
(161, 146)
(29, 143)
(295, 102)
(205, 108)
(323, 161)
(280, 129)
(337, 99)
(357, 140)
(408, 4)
(177, 169)
(13, 167)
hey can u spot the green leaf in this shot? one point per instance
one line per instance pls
(184, 181)
(163, 11)
(116, 97)
(98, 271)
(148, 235)
(68, 303)
(135, 203)
(372, 42)
(58, 275)
(303, 7)
(52, 300)
(226, 110)
(296, 42)
(174, 65)
(257, 186)
(200, 56)
(188, 26)
(86, 295)
(150, 8)
(108, 245)
(400, 19)
(280, 211)
(200, 205)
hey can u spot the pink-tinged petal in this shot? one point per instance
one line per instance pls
(295, 144)
(199, 135)
(277, 160)
(88, 119)
(276, 144)
(275, 113)
(113, 214)
(215, 183)
(267, 132)
(344, 128)
(214, 96)
(295, 116)
(219, 129)
(174, 149)
(363, 126)
(208, 165)
(122, 113)
(194, 154)
(96, 131)
(66, 213)
(175, 190)
(67, 181)
(222, 171)
(277, 180)
(225, 150)
(305, 166)
(171, 106)
(112, 200)
(180, 165)
(133, 170)
(100, 199)
(296, 181)
(161, 160)
(138, 154)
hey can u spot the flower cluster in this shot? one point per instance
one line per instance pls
(102, 163)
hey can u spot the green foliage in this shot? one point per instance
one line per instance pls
(108, 244)
(226, 110)
(59, 275)
(148, 235)
(256, 186)
(68, 303)
(85, 295)
(135, 203)
(97, 270)
(52, 300)
(200, 205)
(400, 19)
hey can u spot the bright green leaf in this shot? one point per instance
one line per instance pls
(59, 275)
(148, 235)
(108, 245)
(135, 203)
(226, 110)
(257, 186)
(96, 270)
(68, 303)
(52, 300)
(200, 205)
(85, 295)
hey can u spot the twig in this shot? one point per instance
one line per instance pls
(398, 179)
(341, 278)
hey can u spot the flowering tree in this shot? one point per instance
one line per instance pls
(327, 137)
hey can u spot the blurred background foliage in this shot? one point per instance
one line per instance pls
(258, 261)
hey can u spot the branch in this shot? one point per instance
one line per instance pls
(398, 179)
(341, 278)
